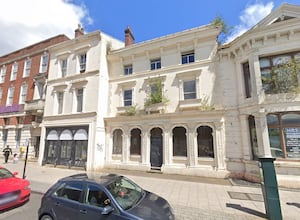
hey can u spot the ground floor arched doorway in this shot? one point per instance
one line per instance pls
(156, 148)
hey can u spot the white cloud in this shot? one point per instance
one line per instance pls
(249, 17)
(26, 22)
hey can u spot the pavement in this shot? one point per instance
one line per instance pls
(191, 197)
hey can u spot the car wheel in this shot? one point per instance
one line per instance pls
(46, 217)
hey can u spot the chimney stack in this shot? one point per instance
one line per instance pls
(129, 38)
(79, 31)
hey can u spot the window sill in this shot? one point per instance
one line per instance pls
(190, 104)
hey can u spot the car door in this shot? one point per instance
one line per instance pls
(97, 205)
(66, 201)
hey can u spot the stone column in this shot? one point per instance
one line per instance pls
(167, 145)
(126, 145)
(219, 151)
(262, 134)
(192, 148)
(245, 136)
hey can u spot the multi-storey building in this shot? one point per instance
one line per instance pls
(22, 82)
(73, 131)
(260, 77)
(183, 104)
(165, 109)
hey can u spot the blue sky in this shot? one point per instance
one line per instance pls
(30, 22)
(155, 18)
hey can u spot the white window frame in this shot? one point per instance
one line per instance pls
(156, 63)
(60, 102)
(27, 67)
(14, 71)
(82, 62)
(123, 95)
(77, 99)
(44, 63)
(195, 91)
(188, 54)
(184, 77)
(128, 69)
(23, 93)
(64, 67)
(3, 74)
(10, 95)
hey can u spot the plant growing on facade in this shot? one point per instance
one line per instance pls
(205, 105)
(156, 94)
(132, 110)
(283, 78)
(219, 22)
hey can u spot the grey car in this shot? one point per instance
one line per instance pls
(110, 196)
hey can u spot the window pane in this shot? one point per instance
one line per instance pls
(128, 70)
(127, 97)
(135, 142)
(281, 59)
(264, 62)
(290, 119)
(205, 142)
(189, 89)
(253, 137)
(79, 100)
(275, 145)
(179, 142)
(272, 119)
(117, 141)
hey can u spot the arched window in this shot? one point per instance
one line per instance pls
(52, 135)
(205, 142)
(135, 142)
(117, 141)
(81, 144)
(66, 138)
(179, 142)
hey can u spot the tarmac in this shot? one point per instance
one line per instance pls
(191, 197)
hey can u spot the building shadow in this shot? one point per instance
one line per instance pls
(294, 204)
(247, 210)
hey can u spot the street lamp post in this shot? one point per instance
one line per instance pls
(26, 156)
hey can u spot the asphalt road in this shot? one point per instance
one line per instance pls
(25, 211)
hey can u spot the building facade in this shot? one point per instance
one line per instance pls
(181, 103)
(73, 131)
(22, 82)
(184, 104)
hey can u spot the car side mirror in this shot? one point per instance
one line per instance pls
(106, 210)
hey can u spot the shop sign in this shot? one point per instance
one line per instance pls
(11, 108)
(292, 136)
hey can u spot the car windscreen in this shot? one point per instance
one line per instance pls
(4, 173)
(125, 192)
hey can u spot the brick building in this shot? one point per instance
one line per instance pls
(23, 76)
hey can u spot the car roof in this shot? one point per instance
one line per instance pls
(103, 179)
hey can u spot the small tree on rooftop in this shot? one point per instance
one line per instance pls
(225, 29)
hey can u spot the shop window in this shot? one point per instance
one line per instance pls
(205, 142)
(135, 142)
(117, 141)
(284, 134)
(179, 142)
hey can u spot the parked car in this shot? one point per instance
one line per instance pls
(13, 190)
(110, 196)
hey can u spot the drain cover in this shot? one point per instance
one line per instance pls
(246, 196)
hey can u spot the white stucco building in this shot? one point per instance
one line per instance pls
(73, 131)
(226, 105)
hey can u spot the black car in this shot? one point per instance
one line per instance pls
(110, 196)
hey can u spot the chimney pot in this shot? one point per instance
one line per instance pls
(129, 38)
(79, 31)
